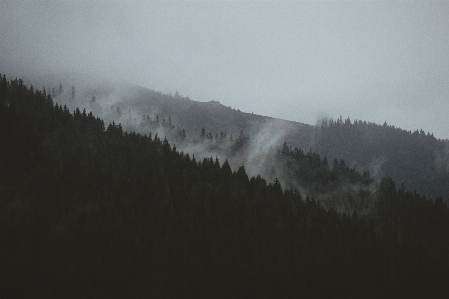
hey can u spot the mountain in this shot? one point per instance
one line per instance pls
(418, 160)
(88, 210)
(134, 102)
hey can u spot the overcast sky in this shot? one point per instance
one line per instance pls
(293, 60)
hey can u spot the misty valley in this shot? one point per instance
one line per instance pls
(114, 190)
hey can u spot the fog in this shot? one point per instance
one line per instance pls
(292, 60)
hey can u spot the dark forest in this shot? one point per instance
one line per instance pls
(89, 210)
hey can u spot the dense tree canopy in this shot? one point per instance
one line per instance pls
(417, 159)
(93, 211)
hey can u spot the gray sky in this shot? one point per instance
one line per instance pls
(293, 60)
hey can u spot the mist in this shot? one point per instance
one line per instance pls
(257, 150)
(289, 60)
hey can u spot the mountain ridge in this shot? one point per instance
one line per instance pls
(382, 150)
(191, 115)
(102, 212)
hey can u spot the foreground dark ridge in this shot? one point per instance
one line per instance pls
(92, 212)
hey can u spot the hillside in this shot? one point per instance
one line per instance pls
(134, 102)
(93, 211)
(418, 160)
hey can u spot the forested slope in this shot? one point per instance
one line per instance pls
(133, 102)
(417, 159)
(89, 211)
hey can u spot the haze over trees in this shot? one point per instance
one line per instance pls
(88, 209)
(417, 159)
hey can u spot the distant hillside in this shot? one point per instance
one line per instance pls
(134, 102)
(417, 159)
(213, 116)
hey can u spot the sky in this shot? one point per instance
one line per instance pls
(296, 60)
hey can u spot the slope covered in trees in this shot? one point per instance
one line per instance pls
(417, 159)
(134, 102)
(89, 211)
